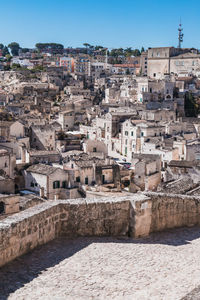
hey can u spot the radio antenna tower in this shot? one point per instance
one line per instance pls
(180, 35)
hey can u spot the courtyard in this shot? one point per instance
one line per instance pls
(163, 266)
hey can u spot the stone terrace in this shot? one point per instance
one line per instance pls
(163, 266)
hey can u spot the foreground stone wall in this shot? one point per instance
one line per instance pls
(136, 215)
(170, 211)
(24, 231)
(37, 225)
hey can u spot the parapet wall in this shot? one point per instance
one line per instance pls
(170, 211)
(136, 215)
(24, 231)
(37, 225)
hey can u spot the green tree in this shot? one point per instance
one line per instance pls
(190, 105)
(25, 50)
(99, 47)
(14, 48)
(128, 51)
(53, 48)
(142, 49)
(1, 46)
(8, 57)
(16, 67)
(136, 52)
(86, 45)
(7, 68)
(5, 51)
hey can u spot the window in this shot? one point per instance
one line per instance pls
(154, 74)
(78, 179)
(6, 164)
(126, 132)
(125, 150)
(142, 133)
(86, 180)
(32, 184)
(64, 184)
(2, 207)
(197, 156)
(126, 142)
(56, 184)
(72, 166)
(94, 149)
(131, 133)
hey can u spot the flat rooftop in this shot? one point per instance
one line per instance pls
(163, 266)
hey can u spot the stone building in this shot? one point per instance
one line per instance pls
(42, 137)
(163, 115)
(95, 148)
(67, 119)
(7, 162)
(147, 172)
(7, 185)
(11, 129)
(130, 135)
(91, 170)
(159, 61)
(45, 156)
(48, 182)
(163, 61)
(9, 204)
(143, 63)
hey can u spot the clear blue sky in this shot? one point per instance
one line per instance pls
(111, 23)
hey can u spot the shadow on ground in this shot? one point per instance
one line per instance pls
(23, 270)
(193, 295)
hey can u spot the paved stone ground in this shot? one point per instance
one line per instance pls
(164, 266)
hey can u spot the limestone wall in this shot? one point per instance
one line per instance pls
(170, 211)
(135, 215)
(24, 231)
(159, 211)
